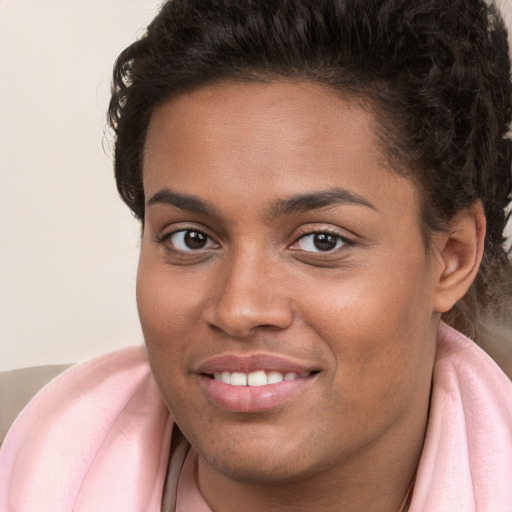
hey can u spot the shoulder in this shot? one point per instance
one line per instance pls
(54, 385)
(466, 462)
(463, 359)
(92, 381)
(19, 386)
(465, 374)
(102, 409)
(495, 337)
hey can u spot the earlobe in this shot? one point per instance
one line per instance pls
(459, 253)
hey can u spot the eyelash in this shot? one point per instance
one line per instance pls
(167, 237)
(345, 242)
(342, 243)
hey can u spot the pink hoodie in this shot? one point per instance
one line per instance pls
(98, 438)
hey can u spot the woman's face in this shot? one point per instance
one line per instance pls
(284, 289)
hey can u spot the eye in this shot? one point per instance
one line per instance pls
(187, 240)
(320, 242)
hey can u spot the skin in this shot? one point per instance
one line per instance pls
(364, 314)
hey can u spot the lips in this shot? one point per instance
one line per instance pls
(254, 383)
(250, 363)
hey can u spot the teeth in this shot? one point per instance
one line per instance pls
(275, 377)
(257, 378)
(223, 377)
(238, 379)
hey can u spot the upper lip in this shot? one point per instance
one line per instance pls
(247, 363)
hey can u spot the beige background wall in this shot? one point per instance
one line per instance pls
(68, 247)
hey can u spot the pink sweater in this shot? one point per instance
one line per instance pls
(98, 438)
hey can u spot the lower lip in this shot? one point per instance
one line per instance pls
(253, 398)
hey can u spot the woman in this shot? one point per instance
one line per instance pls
(319, 184)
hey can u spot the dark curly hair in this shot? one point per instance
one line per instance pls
(436, 72)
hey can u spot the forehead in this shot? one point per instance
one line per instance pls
(267, 138)
(266, 113)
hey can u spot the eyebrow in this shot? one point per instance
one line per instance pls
(296, 204)
(317, 200)
(182, 201)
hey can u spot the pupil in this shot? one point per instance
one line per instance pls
(324, 241)
(195, 240)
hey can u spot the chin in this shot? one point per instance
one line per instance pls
(261, 468)
(251, 457)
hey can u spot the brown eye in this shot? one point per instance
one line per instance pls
(187, 240)
(324, 241)
(321, 242)
(195, 240)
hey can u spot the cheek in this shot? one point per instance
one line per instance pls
(378, 325)
(166, 311)
(377, 301)
(167, 301)
(170, 312)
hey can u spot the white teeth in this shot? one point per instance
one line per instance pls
(257, 379)
(274, 377)
(223, 377)
(238, 379)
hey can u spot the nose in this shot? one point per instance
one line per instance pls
(250, 295)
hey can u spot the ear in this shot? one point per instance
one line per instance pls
(458, 255)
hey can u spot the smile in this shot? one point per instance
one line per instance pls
(254, 383)
(257, 378)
